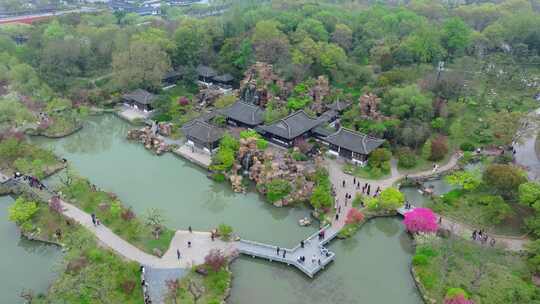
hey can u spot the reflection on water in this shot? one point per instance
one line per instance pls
(371, 267)
(23, 264)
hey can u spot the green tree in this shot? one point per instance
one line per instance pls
(343, 36)
(425, 45)
(191, 41)
(269, 41)
(378, 157)
(456, 36)
(408, 102)
(314, 28)
(142, 65)
(529, 194)
(504, 179)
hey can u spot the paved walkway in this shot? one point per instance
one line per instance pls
(201, 241)
(194, 155)
(337, 176)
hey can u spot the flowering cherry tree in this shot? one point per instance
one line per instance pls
(354, 216)
(421, 220)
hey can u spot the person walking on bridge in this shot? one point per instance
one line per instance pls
(277, 250)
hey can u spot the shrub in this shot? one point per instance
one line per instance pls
(391, 198)
(219, 121)
(22, 211)
(225, 231)
(128, 215)
(420, 260)
(354, 216)
(215, 260)
(298, 156)
(277, 189)
(249, 134)
(218, 177)
(262, 144)
(378, 157)
(467, 146)
(407, 159)
(128, 286)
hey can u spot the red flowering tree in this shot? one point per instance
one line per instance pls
(215, 259)
(421, 220)
(458, 299)
(354, 216)
(183, 101)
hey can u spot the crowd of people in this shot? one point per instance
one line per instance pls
(482, 237)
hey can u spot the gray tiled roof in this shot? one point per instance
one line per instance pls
(339, 105)
(140, 96)
(244, 112)
(292, 126)
(205, 71)
(202, 131)
(224, 78)
(354, 141)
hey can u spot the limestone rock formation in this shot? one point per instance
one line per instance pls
(149, 140)
(369, 106)
(261, 85)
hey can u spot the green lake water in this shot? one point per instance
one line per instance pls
(371, 267)
(24, 264)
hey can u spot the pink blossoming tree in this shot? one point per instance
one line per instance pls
(354, 216)
(421, 220)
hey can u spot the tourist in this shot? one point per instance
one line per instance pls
(301, 244)
(98, 222)
(339, 209)
(284, 251)
(190, 231)
(492, 242)
(189, 244)
(178, 254)
(319, 262)
(277, 250)
(440, 220)
(474, 235)
(337, 216)
(93, 218)
(354, 180)
(368, 189)
(313, 259)
(212, 236)
(343, 183)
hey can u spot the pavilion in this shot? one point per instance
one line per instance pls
(351, 145)
(140, 99)
(242, 114)
(286, 131)
(202, 135)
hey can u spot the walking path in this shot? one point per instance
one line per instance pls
(337, 176)
(201, 241)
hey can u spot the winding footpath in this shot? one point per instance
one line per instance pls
(337, 176)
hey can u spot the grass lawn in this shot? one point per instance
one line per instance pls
(488, 275)
(365, 172)
(212, 288)
(18, 155)
(88, 273)
(116, 216)
(463, 208)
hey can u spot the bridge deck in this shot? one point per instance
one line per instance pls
(316, 255)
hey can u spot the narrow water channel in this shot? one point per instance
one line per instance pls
(24, 264)
(372, 267)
